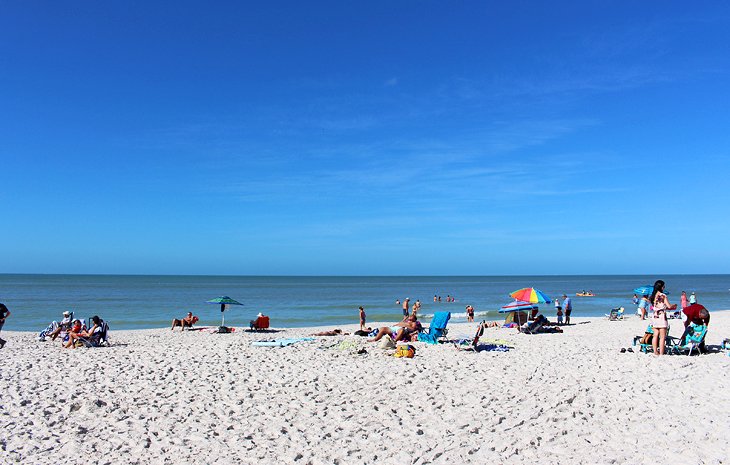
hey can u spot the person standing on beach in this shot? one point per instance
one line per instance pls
(4, 313)
(683, 300)
(559, 311)
(660, 304)
(567, 308)
(362, 318)
(405, 307)
(692, 298)
(644, 305)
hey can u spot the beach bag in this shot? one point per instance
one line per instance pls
(405, 351)
(386, 343)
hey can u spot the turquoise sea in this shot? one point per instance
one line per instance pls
(135, 302)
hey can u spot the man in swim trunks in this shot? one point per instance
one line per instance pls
(567, 308)
(405, 307)
(186, 322)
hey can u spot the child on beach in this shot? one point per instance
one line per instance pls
(362, 318)
(559, 311)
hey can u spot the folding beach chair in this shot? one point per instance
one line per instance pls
(437, 330)
(260, 323)
(100, 336)
(471, 344)
(534, 326)
(695, 336)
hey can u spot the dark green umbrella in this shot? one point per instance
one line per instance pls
(223, 301)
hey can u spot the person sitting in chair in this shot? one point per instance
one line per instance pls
(261, 322)
(186, 322)
(76, 332)
(400, 331)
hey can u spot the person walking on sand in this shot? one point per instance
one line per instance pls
(660, 304)
(567, 308)
(4, 313)
(405, 307)
(362, 318)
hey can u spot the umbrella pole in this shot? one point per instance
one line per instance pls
(223, 315)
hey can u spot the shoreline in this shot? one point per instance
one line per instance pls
(351, 327)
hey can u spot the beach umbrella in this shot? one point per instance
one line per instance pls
(518, 310)
(641, 290)
(516, 306)
(531, 295)
(648, 289)
(223, 301)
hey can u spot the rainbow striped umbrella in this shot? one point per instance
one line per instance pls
(531, 295)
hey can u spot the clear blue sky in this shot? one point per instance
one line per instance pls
(384, 137)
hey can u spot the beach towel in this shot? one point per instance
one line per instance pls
(281, 342)
(51, 328)
(436, 329)
(440, 320)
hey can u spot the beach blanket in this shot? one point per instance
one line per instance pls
(281, 342)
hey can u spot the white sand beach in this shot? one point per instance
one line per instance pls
(158, 397)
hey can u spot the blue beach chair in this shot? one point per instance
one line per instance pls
(437, 330)
(695, 336)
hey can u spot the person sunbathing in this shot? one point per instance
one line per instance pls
(401, 331)
(334, 332)
(57, 328)
(186, 322)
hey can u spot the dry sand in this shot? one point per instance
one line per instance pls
(160, 397)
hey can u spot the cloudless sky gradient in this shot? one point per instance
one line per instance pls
(364, 138)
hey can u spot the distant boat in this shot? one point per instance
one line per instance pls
(585, 294)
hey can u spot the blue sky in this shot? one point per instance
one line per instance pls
(375, 138)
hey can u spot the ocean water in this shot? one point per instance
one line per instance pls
(136, 302)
